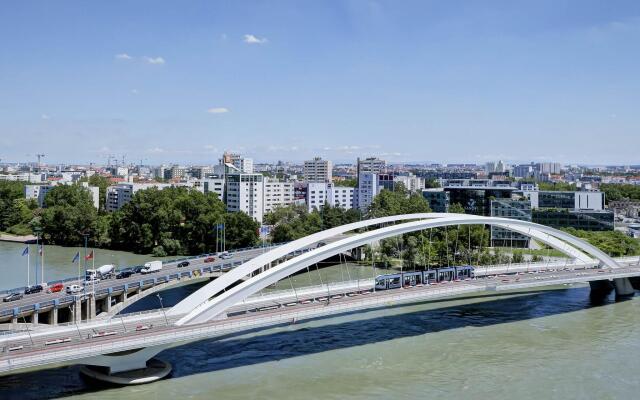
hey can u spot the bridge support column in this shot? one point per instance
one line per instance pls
(77, 310)
(34, 318)
(623, 287)
(53, 319)
(131, 367)
(108, 307)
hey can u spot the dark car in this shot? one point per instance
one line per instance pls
(124, 273)
(320, 244)
(138, 269)
(183, 264)
(33, 289)
(12, 297)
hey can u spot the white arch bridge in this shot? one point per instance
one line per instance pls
(126, 343)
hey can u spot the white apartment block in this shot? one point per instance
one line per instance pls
(210, 185)
(411, 182)
(318, 170)
(245, 192)
(39, 192)
(122, 193)
(319, 194)
(244, 165)
(277, 194)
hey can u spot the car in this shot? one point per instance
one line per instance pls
(320, 244)
(183, 264)
(56, 287)
(209, 259)
(13, 297)
(137, 269)
(72, 289)
(91, 281)
(33, 289)
(124, 273)
(226, 255)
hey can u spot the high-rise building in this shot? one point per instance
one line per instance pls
(245, 192)
(320, 194)
(368, 188)
(549, 168)
(122, 193)
(318, 170)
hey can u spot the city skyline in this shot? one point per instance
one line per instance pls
(414, 82)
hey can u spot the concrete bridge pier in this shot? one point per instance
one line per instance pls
(623, 287)
(131, 367)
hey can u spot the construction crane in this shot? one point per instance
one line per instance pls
(40, 156)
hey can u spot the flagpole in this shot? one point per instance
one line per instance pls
(28, 266)
(42, 265)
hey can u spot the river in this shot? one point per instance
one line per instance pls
(554, 344)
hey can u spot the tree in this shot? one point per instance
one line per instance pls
(241, 230)
(68, 212)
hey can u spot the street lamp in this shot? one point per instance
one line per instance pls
(162, 307)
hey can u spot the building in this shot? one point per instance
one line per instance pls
(210, 185)
(585, 200)
(371, 164)
(476, 200)
(245, 192)
(588, 220)
(176, 172)
(39, 192)
(319, 194)
(201, 172)
(438, 199)
(519, 209)
(244, 165)
(411, 182)
(318, 170)
(495, 166)
(119, 195)
(525, 171)
(277, 194)
(549, 168)
(368, 188)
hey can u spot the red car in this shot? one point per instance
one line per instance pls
(55, 288)
(209, 259)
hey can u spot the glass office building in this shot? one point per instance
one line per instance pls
(587, 220)
(514, 209)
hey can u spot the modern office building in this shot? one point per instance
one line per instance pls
(525, 171)
(201, 172)
(245, 192)
(212, 184)
(320, 194)
(411, 182)
(368, 188)
(581, 200)
(519, 209)
(476, 200)
(588, 220)
(438, 199)
(318, 170)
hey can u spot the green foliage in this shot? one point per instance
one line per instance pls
(388, 203)
(14, 209)
(615, 192)
(614, 243)
(431, 184)
(347, 183)
(294, 221)
(179, 220)
(557, 186)
(69, 212)
(456, 208)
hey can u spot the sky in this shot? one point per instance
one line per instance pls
(415, 81)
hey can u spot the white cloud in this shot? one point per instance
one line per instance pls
(252, 39)
(134, 91)
(218, 110)
(156, 60)
(155, 150)
(45, 116)
(123, 56)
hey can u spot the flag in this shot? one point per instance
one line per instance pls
(89, 256)
(25, 251)
(76, 257)
(265, 230)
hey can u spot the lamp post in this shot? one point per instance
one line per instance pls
(162, 307)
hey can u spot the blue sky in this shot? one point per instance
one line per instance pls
(432, 81)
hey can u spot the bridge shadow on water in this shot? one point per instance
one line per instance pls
(383, 325)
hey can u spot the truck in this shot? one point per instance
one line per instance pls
(151, 266)
(104, 272)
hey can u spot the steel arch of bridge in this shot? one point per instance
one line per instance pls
(201, 306)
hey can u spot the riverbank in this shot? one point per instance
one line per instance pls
(5, 237)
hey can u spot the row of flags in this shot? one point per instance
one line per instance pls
(75, 258)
